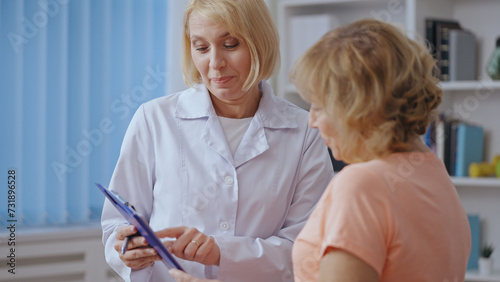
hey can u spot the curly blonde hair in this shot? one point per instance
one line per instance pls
(247, 20)
(377, 81)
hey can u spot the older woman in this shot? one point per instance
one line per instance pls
(226, 168)
(393, 214)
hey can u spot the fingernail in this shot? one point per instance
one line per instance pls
(152, 251)
(132, 228)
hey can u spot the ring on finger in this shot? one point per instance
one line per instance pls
(196, 243)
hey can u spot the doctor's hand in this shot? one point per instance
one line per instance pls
(180, 276)
(138, 254)
(191, 245)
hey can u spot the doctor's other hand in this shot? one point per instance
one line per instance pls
(138, 253)
(191, 245)
(181, 276)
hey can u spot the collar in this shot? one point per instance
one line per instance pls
(273, 112)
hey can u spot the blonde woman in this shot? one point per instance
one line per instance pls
(226, 170)
(393, 214)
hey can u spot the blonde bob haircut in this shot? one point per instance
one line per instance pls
(247, 20)
(374, 83)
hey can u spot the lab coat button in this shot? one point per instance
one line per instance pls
(228, 180)
(224, 226)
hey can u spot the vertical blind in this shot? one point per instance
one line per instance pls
(72, 74)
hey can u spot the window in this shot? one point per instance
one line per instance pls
(72, 74)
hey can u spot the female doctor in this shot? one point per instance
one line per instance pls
(225, 169)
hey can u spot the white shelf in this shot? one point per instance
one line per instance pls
(476, 182)
(470, 85)
(446, 86)
(475, 276)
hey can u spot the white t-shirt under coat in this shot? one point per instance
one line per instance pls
(234, 129)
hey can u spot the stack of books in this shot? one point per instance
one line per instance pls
(453, 48)
(456, 143)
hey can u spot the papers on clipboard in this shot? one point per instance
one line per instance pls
(142, 226)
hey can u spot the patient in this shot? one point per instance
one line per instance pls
(393, 214)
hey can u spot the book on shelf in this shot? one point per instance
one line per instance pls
(462, 55)
(453, 147)
(470, 142)
(431, 25)
(456, 143)
(475, 230)
(443, 48)
(429, 137)
(450, 131)
(453, 48)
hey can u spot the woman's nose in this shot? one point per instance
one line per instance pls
(217, 60)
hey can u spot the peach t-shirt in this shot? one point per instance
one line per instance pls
(401, 215)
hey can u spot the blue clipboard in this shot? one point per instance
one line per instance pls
(142, 226)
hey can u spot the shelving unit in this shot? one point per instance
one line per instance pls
(476, 182)
(474, 276)
(339, 13)
(477, 102)
(470, 85)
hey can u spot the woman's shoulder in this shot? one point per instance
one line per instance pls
(276, 102)
(276, 112)
(291, 107)
(361, 177)
(355, 173)
(169, 102)
(384, 172)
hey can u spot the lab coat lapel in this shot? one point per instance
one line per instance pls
(214, 137)
(272, 114)
(254, 143)
(194, 104)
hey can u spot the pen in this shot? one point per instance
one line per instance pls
(125, 244)
(127, 239)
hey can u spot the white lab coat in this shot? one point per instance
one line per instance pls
(176, 168)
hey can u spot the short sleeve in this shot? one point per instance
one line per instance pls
(355, 214)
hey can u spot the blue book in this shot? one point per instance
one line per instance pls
(475, 230)
(427, 136)
(470, 141)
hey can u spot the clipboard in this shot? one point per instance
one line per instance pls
(129, 213)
